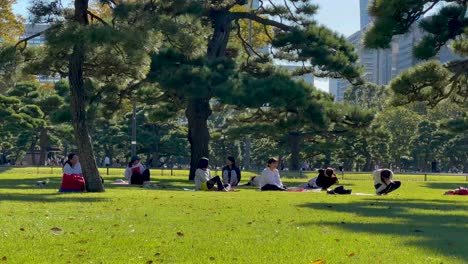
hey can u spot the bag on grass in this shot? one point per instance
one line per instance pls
(72, 183)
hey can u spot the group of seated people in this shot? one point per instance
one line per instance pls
(269, 180)
(73, 180)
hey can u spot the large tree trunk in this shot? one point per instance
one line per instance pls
(32, 150)
(78, 107)
(294, 139)
(43, 145)
(247, 144)
(198, 109)
(197, 113)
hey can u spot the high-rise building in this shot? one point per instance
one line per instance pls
(308, 78)
(403, 48)
(29, 30)
(365, 18)
(255, 4)
(381, 66)
(376, 64)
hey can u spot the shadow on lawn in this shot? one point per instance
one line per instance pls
(445, 185)
(48, 197)
(30, 183)
(438, 232)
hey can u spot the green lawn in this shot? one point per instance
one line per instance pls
(416, 224)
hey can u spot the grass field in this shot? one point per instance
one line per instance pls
(416, 224)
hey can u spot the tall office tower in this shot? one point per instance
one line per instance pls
(255, 4)
(376, 64)
(29, 30)
(365, 18)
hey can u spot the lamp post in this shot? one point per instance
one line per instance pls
(134, 128)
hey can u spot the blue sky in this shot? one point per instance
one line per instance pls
(339, 15)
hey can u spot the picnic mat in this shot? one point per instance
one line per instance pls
(120, 182)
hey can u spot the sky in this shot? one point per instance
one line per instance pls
(341, 16)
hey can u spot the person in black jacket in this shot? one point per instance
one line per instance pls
(324, 180)
(231, 173)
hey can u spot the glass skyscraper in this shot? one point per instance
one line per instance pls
(365, 18)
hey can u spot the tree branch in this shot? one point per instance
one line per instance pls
(264, 21)
(93, 16)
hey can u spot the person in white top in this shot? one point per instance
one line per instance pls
(203, 179)
(270, 178)
(136, 173)
(107, 161)
(72, 179)
(383, 182)
(72, 165)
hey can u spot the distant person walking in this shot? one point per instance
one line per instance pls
(107, 162)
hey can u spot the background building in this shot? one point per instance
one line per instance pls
(381, 66)
(29, 30)
(364, 14)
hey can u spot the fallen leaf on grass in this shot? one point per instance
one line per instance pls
(352, 254)
(180, 233)
(318, 261)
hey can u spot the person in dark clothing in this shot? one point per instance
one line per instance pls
(231, 173)
(324, 180)
(136, 172)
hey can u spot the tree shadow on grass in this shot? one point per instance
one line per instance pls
(439, 224)
(49, 197)
(31, 183)
(445, 185)
(5, 168)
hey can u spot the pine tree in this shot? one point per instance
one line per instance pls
(430, 82)
(192, 78)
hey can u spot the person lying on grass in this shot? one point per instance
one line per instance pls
(204, 181)
(136, 173)
(383, 182)
(324, 180)
(270, 178)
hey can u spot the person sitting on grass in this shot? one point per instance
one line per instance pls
(136, 173)
(270, 177)
(328, 179)
(231, 173)
(324, 180)
(383, 182)
(72, 180)
(203, 179)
